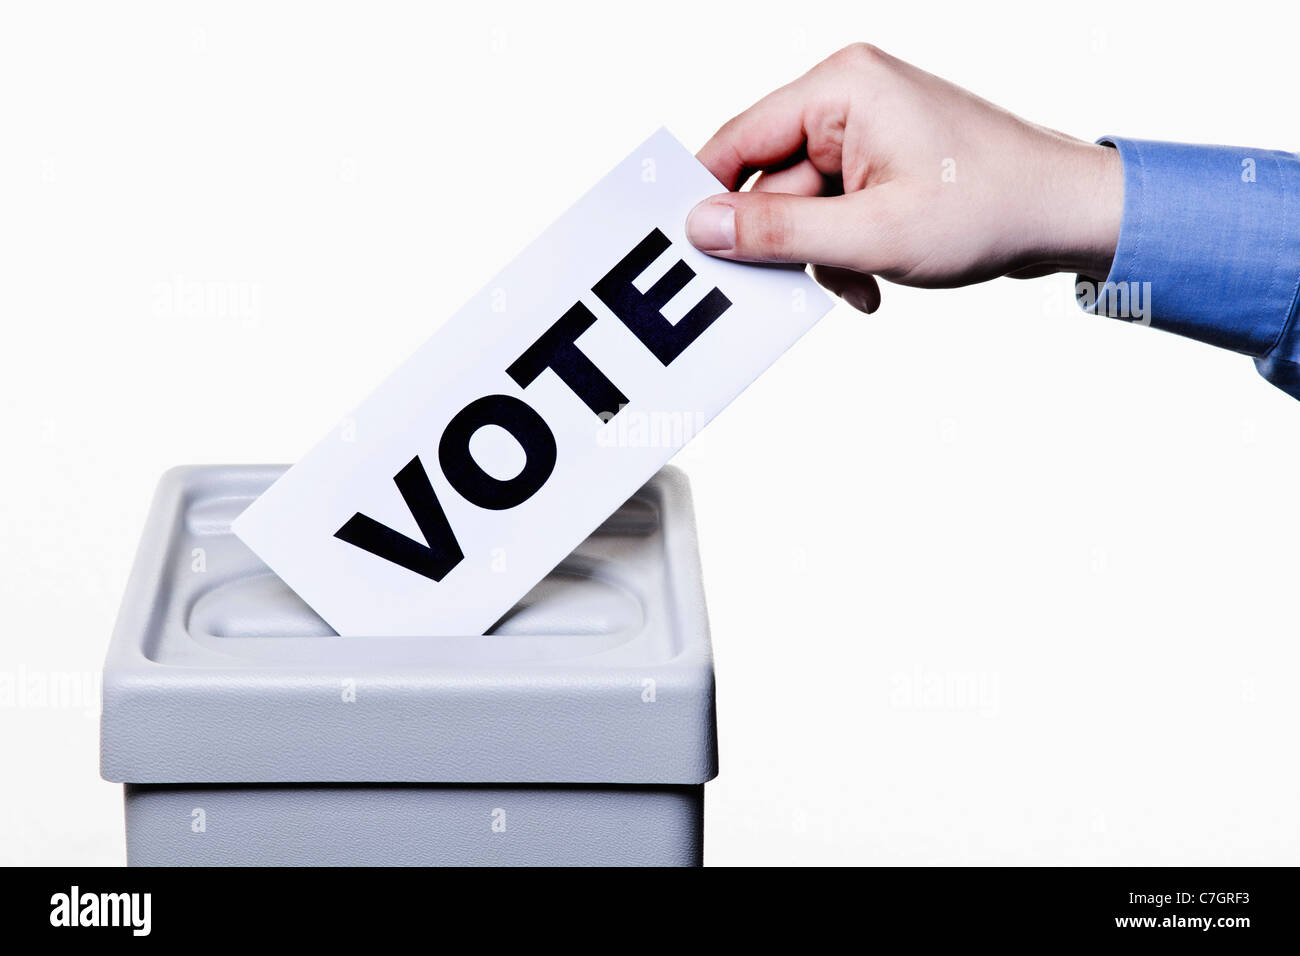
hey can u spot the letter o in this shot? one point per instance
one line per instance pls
(526, 427)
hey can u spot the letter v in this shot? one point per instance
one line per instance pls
(438, 555)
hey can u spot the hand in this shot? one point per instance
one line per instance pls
(871, 167)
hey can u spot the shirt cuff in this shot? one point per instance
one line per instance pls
(1209, 248)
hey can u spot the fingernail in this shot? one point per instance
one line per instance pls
(711, 227)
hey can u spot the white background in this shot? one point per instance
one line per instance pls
(991, 581)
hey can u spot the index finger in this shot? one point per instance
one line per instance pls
(767, 134)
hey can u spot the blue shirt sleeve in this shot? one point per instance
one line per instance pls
(1209, 248)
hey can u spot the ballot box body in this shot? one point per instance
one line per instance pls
(579, 730)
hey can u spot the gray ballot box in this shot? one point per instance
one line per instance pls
(580, 730)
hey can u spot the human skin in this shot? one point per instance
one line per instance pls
(869, 167)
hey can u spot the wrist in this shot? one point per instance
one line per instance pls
(1083, 208)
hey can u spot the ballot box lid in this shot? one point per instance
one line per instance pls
(218, 673)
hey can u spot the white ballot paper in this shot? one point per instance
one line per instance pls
(532, 414)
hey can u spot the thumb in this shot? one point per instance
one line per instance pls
(776, 227)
